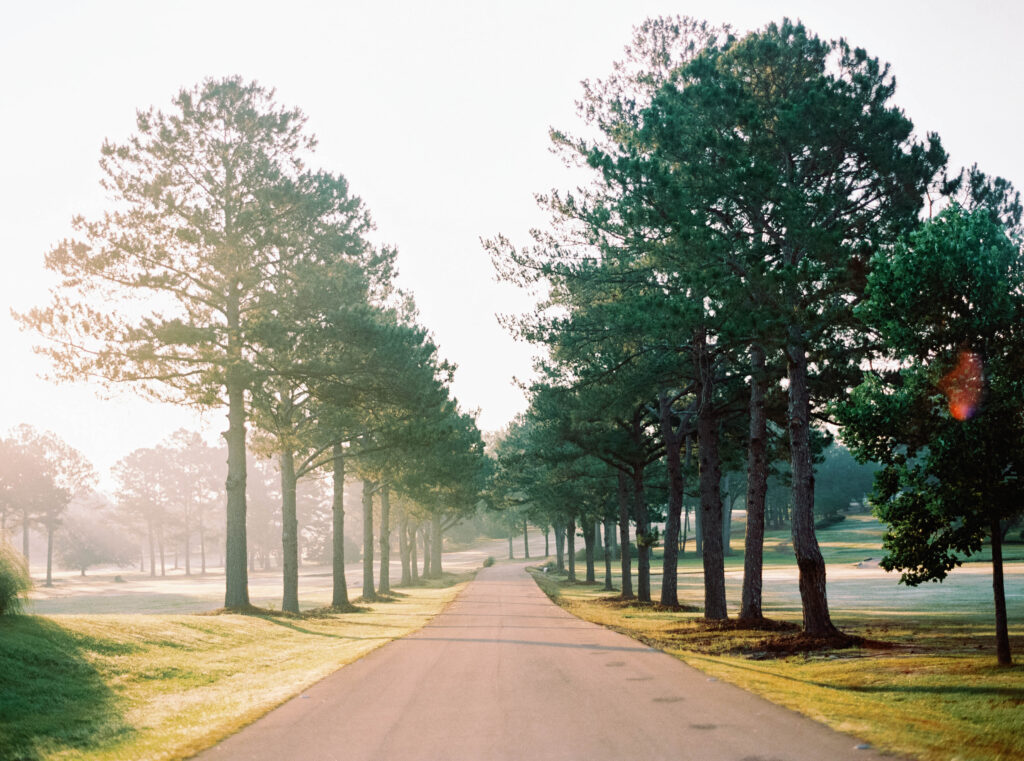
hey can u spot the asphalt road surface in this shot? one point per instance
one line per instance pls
(504, 673)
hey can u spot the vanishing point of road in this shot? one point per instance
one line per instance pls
(504, 673)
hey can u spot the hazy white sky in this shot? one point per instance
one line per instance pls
(436, 112)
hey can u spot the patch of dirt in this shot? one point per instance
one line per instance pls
(794, 644)
(619, 602)
(738, 625)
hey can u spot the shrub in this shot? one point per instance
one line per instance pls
(14, 579)
(829, 520)
(488, 562)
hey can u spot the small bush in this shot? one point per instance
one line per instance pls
(14, 579)
(829, 520)
(488, 562)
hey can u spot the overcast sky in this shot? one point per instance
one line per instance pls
(436, 112)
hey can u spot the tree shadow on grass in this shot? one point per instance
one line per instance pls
(51, 697)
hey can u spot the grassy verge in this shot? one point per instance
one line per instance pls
(166, 686)
(925, 686)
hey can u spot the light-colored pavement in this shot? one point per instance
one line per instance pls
(504, 673)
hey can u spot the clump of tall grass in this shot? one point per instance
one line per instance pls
(14, 579)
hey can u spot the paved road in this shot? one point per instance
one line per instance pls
(504, 673)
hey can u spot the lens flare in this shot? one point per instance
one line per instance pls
(963, 385)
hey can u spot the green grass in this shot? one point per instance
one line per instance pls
(926, 686)
(166, 686)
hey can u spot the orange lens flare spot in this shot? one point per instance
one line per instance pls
(963, 385)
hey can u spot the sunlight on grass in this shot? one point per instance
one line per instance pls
(926, 686)
(165, 686)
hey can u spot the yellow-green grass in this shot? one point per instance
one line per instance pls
(934, 692)
(166, 686)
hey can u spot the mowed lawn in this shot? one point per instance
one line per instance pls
(165, 686)
(926, 687)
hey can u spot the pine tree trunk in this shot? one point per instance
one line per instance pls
(437, 544)
(570, 536)
(757, 489)
(670, 561)
(588, 525)
(368, 589)
(1003, 656)
(817, 622)
(526, 540)
(425, 536)
(403, 548)
(710, 488)
(560, 546)
(727, 517)
(609, 541)
(236, 575)
(289, 533)
(413, 560)
(643, 550)
(339, 595)
(384, 585)
(625, 555)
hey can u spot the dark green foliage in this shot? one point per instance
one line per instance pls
(839, 480)
(946, 424)
(15, 581)
(488, 561)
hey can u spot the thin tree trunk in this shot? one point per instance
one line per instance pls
(727, 517)
(425, 535)
(368, 592)
(570, 535)
(384, 585)
(413, 560)
(587, 525)
(643, 549)
(526, 540)
(609, 540)
(403, 548)
(560, 546)
(511, 554)
(1003, 656)
(670, 561)
(437, 542)
(757, 489)
(152, 549)
(547, 547)
(339, 595)
(236, 575)
(289, 533)
(817, 622)
(625, 555)
(710, 487)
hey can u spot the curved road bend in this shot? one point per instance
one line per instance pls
(504, 673)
